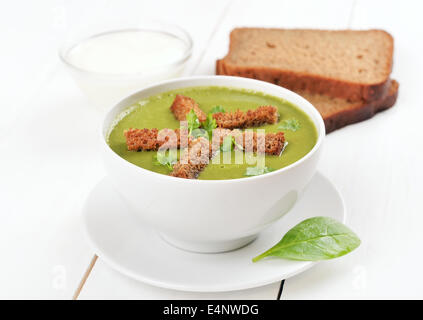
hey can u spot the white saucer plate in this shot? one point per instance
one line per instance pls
(139, 252)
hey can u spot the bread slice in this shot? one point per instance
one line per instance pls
(348, 64)
(337, 112)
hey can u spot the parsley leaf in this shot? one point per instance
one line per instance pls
(217, 109)
(192, 120)
(229, 143)
(209, 125)
(166, 160)
(196, 133)
(290, 124)
(256, 171)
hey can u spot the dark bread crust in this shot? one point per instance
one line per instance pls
(360, 111)
(310, 83)
(307, 82)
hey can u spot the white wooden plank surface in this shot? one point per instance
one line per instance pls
(47, 168)
(106, 283)
(45, 163)
(377, 166)
(273, 13)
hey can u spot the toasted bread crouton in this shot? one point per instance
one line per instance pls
(273, 142)
(230, 120)
(141, 139)
(251, 118)
(193, 160)
(251, 141)
(262, 115)
(196, 158)
(182, 105)
(153, 139)
(218, 135)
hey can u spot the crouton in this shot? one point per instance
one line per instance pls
(218, 135)
(153, 139)
(196, 158)
(193, 160)
(182, 105)
(251, 118)
(273, 142)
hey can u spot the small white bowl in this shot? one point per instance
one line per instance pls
(108, 86)
(211, 215)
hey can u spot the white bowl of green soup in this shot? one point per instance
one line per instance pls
(225, 201)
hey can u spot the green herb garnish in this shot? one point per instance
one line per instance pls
(290, 124)
(196, 133)
(192, 121)
(167, 160)
(229, 144)
(217, 109)
(256, 171)
(209, 125)
(318, 238)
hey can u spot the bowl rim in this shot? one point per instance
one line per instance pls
(152, 26)
(139, 170)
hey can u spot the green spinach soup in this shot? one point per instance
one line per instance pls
(300, 134)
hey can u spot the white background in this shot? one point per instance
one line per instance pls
(49, 161)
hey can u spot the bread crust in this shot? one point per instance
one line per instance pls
(362, 110)
(308, 82)
(305, 82)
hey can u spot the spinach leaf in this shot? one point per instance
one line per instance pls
(217, 109)
(318, 238)
(290, 124)
(192, 120)
(256, 171)
(167, 160)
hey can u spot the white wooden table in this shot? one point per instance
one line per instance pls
(49, 161)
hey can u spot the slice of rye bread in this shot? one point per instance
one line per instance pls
(349, 64)
(337, 112)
